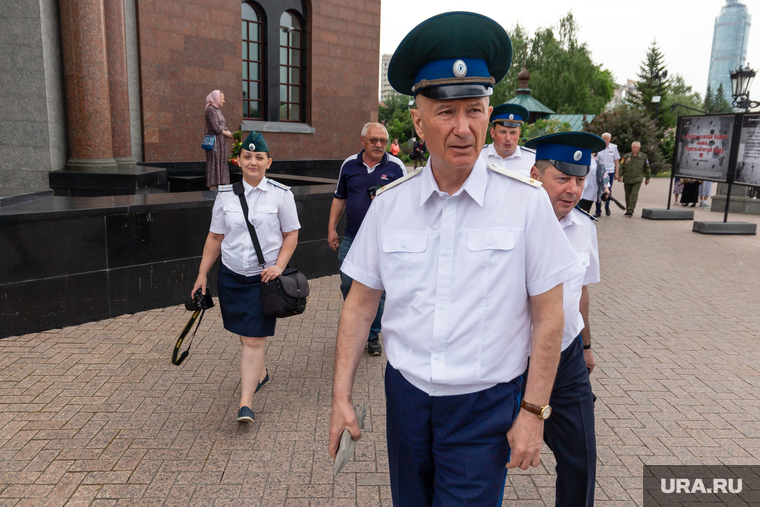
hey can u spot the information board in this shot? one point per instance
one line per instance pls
(748, 160)
(703, 147)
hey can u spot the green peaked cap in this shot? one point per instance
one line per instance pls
(255, 141)
(451, 55)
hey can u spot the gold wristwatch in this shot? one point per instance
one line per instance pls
(541, 412)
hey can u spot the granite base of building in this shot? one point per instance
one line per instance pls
(667, 214)
(725, 228)
(70, 260)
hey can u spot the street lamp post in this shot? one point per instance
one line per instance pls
(741, 81)
(659, 76)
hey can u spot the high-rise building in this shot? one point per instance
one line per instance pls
(729, 45)
(385, 85)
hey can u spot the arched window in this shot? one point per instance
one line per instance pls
(291, 68)
(253, 63)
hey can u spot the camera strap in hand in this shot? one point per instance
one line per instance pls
(240, 192)
(176, 361)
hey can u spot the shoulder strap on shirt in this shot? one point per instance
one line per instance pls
(278, 184)
(224, 188)
(240, 192)
(512, 174)
(523, 148)
(399, 181)
(586, 213)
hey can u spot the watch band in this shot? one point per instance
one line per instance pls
(541, 412)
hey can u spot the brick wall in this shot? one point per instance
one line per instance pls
(184, 54)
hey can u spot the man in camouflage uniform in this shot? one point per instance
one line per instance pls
(633, 167)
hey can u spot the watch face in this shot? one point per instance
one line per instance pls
(546, 412)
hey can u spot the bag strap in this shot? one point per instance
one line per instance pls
(240, 192)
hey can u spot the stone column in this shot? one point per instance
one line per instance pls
(85, 70)
(116, 43)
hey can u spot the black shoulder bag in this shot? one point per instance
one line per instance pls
(284, 296)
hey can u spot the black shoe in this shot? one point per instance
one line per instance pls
(245, 415)
(262, 383)
(607, 210)
(374, 348)
(598, 214)
(629, 213)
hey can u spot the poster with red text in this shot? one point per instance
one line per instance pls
(703, 147)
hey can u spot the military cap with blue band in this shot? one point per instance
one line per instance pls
(570, 152)
(510, 115)
(451, 56)
(255, 141)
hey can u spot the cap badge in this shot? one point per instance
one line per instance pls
(251, 147)
(460, 68)
(511, 117)
(577, 155)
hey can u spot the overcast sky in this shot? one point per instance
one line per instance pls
(617, 33)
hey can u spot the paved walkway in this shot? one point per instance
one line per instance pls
(97, 415)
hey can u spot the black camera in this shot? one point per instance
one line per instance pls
(373, 190)
(200, 301)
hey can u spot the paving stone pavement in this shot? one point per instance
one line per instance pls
(96, 414)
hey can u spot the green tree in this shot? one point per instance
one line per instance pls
(680, 93)
(648, 85)
(720, 102)
(563, 75)
(709, 103)
(626, 125)
(395, 113)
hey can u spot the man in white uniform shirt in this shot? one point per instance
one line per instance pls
(610, 157)
(461, 251)
(506, 121)
(562, 163)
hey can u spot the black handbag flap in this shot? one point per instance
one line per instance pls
(294, 284)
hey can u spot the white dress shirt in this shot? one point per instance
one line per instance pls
(581, 232)
(520, 161)
(590, 186)
(271, 210)
(609, 155)
(457, 271)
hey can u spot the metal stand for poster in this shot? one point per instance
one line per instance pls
(725, 227)
(669, 214)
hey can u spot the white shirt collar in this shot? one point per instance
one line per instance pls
(474, 185)
(261, 186)
(570, 219)
(493, 153)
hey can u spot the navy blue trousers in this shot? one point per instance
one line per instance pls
(569, 431)
(447, 451)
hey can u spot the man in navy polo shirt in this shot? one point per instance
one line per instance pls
(361, 173)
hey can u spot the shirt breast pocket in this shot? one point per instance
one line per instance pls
(266, 216)
(488, 243)
(233, 217)
(576, 283)
(405, 250)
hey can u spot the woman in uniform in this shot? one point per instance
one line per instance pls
(272, 211)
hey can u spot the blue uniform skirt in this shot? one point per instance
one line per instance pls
(240, 302)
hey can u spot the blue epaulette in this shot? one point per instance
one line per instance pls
(278, 184)
(586, 213)
(224, 188)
